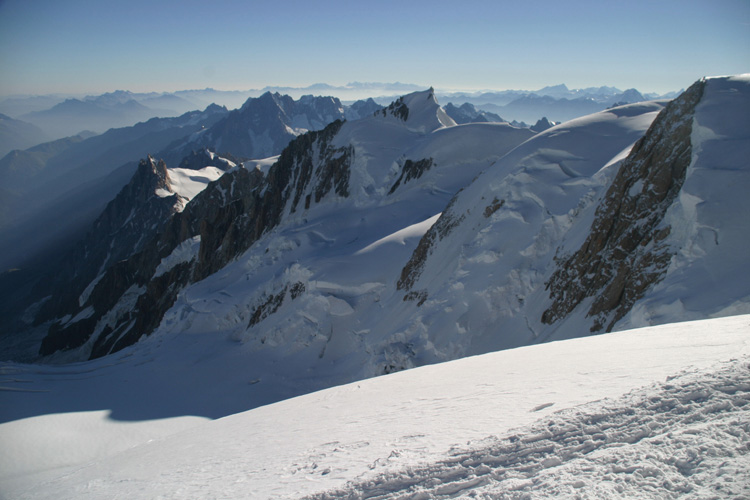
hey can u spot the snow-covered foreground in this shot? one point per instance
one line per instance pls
(659, 412)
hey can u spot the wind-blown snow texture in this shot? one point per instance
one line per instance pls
(661, 412)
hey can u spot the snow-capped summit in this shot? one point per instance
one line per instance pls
(420, 112)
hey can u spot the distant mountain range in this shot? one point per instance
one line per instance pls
(557, 103)
(18, 134)
(70, 180)
(61, 116)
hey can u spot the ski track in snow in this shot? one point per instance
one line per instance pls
(688, 437)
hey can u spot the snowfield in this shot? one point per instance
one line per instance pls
(659, 412)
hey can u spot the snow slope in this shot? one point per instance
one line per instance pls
(187, 183)
(605, 416)
(709, 221)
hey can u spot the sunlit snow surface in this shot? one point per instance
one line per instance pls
(655, 413)
(188, 183)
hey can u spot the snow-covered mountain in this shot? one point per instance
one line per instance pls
(64, 185)
(135, 216)
(391, 242)
(598, 242)
(574, 229)
(370, 165)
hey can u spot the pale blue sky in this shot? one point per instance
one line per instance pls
(96, 46)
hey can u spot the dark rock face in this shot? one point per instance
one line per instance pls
(413, 269)
(624, 255)
(412, 170)
(271, 303)
(312, 177)
(397, 108)
(231, 214)
(126, 225)
(541, 125)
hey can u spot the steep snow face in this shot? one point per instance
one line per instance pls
(425, 114)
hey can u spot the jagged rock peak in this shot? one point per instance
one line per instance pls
(266, 102)
(467, 113)
(215, 108)
(152, 174)
(542, 124)
(129, 221)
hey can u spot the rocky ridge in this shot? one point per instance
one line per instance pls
(130, 298)
(624, 253)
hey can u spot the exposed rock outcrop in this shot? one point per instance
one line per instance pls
(623, 254)
(397, 108)
(128, 222)
(233, 212)
(412, 170)
(413, 269)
